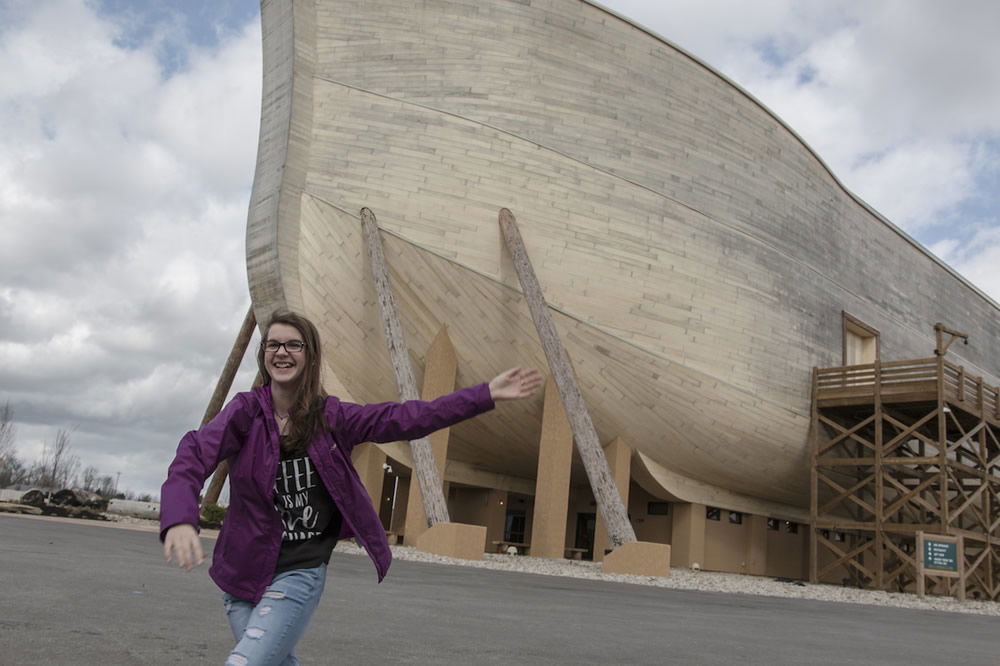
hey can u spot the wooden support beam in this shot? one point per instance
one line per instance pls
(424, 467)
(602, 482)
(940, 330)
(219, 397)
(942, 424)
(814, 453)
(880, 516)
(619, 457)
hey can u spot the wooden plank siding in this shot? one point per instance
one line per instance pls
(695, 254)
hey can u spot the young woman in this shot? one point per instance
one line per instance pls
(293, 490)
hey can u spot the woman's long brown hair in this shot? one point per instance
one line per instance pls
(306, 413)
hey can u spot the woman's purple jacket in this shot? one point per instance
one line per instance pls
(246, 433)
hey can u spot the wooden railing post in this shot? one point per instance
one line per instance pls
(979, 395)
(424, 467)
(609, 501)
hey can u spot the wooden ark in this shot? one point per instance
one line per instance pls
(697, 256)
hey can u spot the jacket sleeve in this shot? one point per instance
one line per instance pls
(395, 421)
(198, 454)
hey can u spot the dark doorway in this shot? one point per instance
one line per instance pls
(513, 530)
(390, 492)
(585, 523)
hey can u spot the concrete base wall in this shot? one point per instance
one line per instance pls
(480, 506)
(787, 552)
(652, 528)
(638, 558)
(466, 542)
(688, 538)
(726, 543)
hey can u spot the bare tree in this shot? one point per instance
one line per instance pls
(38, 473)
(57, 465)
(13, 472)
(64, 463)
(12, 469)
(106, 485)
(90, 478)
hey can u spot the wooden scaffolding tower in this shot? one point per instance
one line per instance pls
(897, 448)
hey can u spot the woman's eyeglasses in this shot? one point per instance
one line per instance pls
(292, 346)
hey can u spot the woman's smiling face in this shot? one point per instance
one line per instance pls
(284, 366)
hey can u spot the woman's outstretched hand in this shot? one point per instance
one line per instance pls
(515, 384)
(182, 543)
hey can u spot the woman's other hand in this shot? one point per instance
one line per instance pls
(182, 544)
(515, 384)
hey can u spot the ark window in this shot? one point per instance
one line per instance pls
(713, 513)
(657, 508)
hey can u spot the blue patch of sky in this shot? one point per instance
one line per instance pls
(780, 52)
(981, 209)
(958, 223)
(176, 26)
(805, 76)
(772, 53)
(869, 157)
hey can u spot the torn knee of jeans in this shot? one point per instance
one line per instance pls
(274, 594)
(264, 610)
(236, 660)
(254, 632)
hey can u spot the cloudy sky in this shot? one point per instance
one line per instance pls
(128, 134)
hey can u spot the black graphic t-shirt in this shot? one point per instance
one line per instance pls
(310, 520)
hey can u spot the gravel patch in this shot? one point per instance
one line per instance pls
(690, 579)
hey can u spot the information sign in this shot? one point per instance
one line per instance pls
(940, 555)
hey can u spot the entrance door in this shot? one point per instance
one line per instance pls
(861, 342)
(513, 530)
(585, 524)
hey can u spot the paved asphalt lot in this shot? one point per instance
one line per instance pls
(85, 593)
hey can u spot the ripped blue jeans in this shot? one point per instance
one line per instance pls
(267, 633)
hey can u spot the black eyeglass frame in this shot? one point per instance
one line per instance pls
(266, 346)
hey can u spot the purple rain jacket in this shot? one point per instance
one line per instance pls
(246, 433)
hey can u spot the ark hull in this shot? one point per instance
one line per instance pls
(697, 256)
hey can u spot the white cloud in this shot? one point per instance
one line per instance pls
(977, 259)
(124, 181)
(898, 97)
(123, 196)
(917, 183)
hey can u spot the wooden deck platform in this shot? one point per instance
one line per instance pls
(911, 381)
